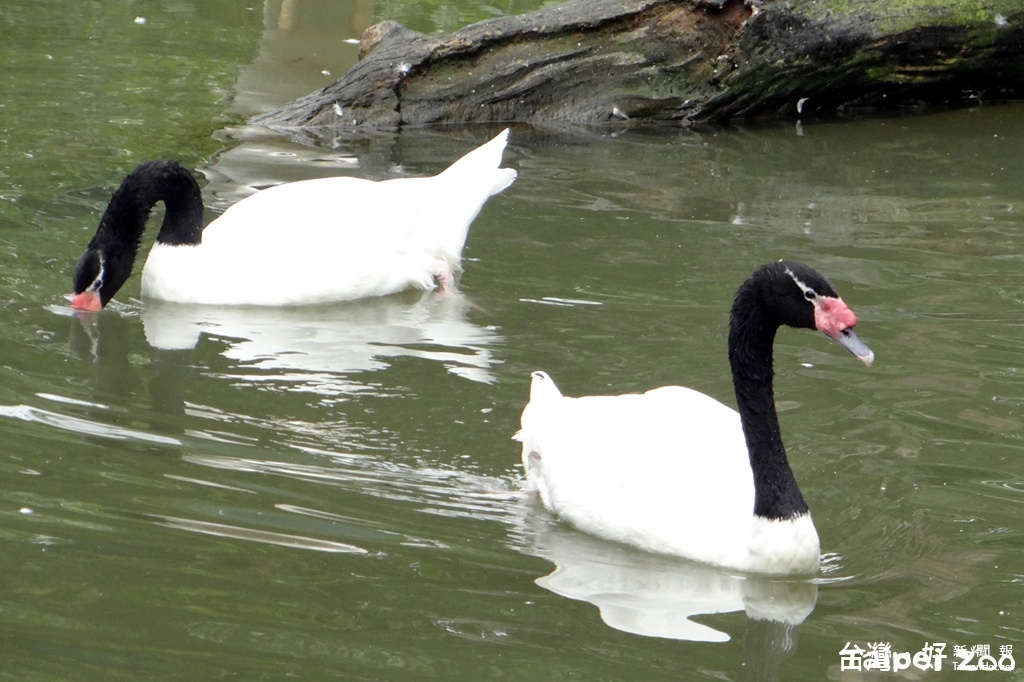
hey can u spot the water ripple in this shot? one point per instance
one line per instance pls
(253, 535)
(442, 492)
(28, 413)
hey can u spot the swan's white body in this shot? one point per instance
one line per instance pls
(666, 471)
(332, 239)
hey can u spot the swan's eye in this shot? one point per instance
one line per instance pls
(89, 274)
(810, 294)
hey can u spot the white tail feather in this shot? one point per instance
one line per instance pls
(543, 387)
(485, 160)
(467, 183)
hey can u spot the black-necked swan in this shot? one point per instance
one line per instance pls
(306, 242)
(675, 471)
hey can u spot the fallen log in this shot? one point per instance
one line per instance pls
(600, 61)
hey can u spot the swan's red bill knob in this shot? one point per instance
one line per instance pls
(87, 301)
(834, 319)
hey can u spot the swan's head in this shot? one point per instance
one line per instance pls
(98, 276)
(796, 295)
(805, 298)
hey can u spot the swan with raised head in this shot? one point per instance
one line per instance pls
(675, 471)
(306, 242)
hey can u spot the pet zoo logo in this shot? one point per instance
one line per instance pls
(880, 656)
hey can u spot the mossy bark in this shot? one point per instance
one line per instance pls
(599, 61)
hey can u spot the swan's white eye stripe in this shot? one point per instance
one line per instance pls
(97, 283)
(809, 293)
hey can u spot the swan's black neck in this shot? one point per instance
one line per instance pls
(752, 328)
(125, 218)
(110, 255)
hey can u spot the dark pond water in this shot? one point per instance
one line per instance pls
(332, 493)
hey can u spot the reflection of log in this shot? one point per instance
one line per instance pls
(592, 61)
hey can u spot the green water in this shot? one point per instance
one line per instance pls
(332, 493)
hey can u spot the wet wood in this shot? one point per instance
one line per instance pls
(621, 61)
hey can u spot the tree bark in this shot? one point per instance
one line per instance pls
(629, 61)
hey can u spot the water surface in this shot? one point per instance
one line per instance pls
(333, 493)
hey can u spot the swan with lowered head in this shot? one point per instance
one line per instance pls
(307, 242)
(677, 472)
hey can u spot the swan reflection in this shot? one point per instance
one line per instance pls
(656, 596)
(325, 341)
(321, 350)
